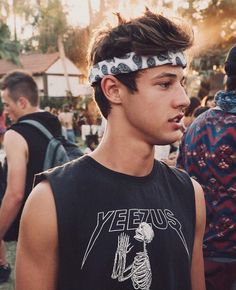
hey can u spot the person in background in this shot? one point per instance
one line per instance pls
(47, 109)
(67, 120)
(25, 149)
(171, 155)
(54, 111)
(209, 155)
(117, 218)
(199, 111)
(209, 102)
(188, 113)
(176, 148)
(91, 143)
(3, 126)
(101, 129)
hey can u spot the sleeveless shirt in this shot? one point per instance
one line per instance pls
(117, 231)
(37, 144)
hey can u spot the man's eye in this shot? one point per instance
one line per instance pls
(165, 85)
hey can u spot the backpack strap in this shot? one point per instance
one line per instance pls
(39, 126)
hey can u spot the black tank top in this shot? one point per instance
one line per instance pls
(123, 232)
(37, 144)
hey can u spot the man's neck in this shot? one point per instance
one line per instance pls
(30, 110)
(126, 156)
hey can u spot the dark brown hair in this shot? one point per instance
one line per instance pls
(231, 83)
(150, 34)
(20, 83)
(194, 104)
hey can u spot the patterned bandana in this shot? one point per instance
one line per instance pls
(226, 101)
(131, 62)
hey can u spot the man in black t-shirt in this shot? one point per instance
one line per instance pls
(25, 149)
(117, 219)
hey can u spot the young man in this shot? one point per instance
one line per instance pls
(25, 148)
(116, 218)
(67, 118)
(208, 152)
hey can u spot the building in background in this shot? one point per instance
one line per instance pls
(48, 72)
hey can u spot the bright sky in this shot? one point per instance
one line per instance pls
(78, 14)
(78, 11)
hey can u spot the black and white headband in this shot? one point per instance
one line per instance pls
(131, 62)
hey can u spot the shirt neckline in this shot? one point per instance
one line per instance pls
(123, 176)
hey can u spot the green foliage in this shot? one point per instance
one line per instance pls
(51, 23)
(76, 46)
(48, 22)
(58, 102)
(52, 102)
(214, 19)
(216, 26)
(24, 8)
(4, 9)
(9, 49)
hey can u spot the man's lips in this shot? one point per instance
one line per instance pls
(176, 119)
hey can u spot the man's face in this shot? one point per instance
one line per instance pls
(154, 112)
(10, 107)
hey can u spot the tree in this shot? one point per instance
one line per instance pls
(9, 49)
(76, 46)
(4, 10)
(216, 25)
(51, 23)
(23, 10)
(53, 27)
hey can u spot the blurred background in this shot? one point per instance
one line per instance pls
(50, 39)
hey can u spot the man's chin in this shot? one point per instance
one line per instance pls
(177, 137)
(169, 141)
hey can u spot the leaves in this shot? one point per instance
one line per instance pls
(9, 49)
(214, 20)
(52, 22)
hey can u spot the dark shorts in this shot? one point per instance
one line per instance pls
(220, 276)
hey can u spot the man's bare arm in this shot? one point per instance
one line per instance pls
(17, 155)
(197, 271)
(37, 255)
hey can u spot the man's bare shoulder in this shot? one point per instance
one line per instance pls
(40, 199)
(197, 270)
(12, 136)
(199, 194)
(200, 204)
(13, 141)
(37, 248)
(39, 214)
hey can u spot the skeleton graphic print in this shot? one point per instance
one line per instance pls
(140, 270)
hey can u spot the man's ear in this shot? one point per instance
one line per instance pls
(111, 89)
(22, 101)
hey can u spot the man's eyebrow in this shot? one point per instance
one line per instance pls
(164, 75)
(170, 75)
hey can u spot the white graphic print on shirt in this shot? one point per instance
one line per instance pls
(140, 270)
(129, 220)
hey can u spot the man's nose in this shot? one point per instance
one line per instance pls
(181, 99)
